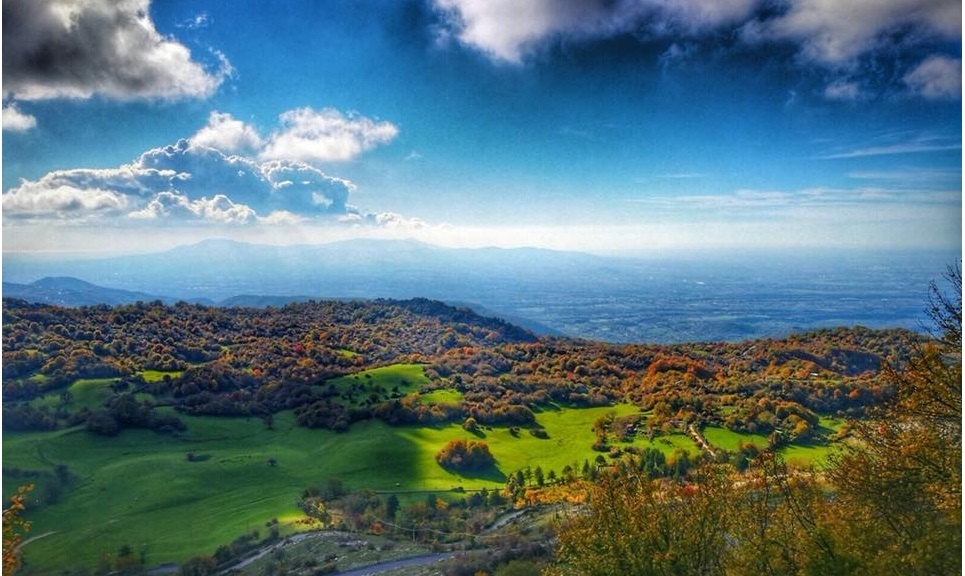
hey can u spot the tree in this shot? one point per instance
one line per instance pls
(198, 566)
(901, 484)
(895, 508)
(391, 507)
(14, 528)
(639, 526)
(463, 455)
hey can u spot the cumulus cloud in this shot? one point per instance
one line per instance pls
(223, 174)
(388, 220)
(50, 199)
(16, 121)
(225, 133)
(937, 77)
(326, 135)
(59, 49)
(219, 209)
(183, 181)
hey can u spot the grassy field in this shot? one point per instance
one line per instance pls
(811, 454)
(730, 440)
(379, 384)
(158, 375)
(807, 455)
(140, 489)
(443, 396)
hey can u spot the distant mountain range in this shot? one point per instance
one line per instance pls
(66, 291)
(220, 269)
(670, 299)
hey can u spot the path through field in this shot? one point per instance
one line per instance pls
(395, 564)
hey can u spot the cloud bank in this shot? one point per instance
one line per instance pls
(226, 173)
(60, 49)
(839, 37)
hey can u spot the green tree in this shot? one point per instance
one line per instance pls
(198, 566)
(391, 507)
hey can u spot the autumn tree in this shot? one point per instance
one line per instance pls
(640, 526)
(902, 482)
(14, 528)
(463, 455)
(894, 505)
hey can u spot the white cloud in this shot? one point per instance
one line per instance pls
(937, 77)
(386, 221)
(200, 20)
(16, 121)
(183, 180)
(38, 199)
(895, 145)
(502, 28)
(899, 176)
(199, 180)
(786, 203)
(218, 209)
(395, 220)
(326, 136)
(282, 218)
(835, 33)
(842, 90)
(228, 135)
(506, 29)
(59, 49)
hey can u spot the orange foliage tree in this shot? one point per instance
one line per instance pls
(14, 527)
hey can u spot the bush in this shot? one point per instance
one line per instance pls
(463, 455)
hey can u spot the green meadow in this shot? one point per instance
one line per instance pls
(143, 490)
(730, 440)
(140, 489)
(395, 380)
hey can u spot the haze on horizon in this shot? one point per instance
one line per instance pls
(597, 126)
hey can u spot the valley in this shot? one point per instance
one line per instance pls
(167, 432)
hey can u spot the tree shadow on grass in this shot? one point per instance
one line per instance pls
(490, 473)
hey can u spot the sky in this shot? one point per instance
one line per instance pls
(596, 125)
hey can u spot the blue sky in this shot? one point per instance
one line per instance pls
(592, 125)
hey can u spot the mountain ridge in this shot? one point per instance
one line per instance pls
(71, 292)
(675, 298)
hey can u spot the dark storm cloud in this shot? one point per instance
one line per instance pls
(58, 49)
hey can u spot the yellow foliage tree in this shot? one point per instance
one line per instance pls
(14, 528)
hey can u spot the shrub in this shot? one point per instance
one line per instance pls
(463, 455)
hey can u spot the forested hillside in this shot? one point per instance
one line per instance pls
(248, 410)
(248, 361)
